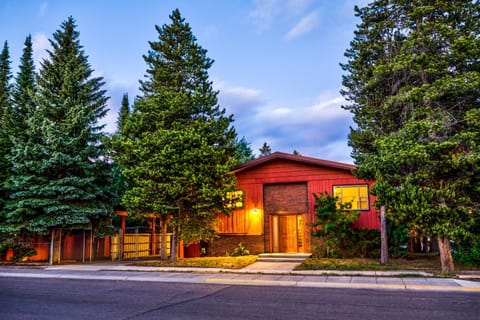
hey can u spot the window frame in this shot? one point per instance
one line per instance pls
(359, 197)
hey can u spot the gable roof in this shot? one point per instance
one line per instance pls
(295, 158)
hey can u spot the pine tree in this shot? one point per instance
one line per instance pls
(24, 92)
(178, 145)
(123, 113)
(413, 82)
(244, 151)
(265, 150)
(60, 178)
(119, 185)
(5, 121)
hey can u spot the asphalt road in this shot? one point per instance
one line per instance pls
(32, 298)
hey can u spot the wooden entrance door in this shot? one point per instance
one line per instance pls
(288, 233)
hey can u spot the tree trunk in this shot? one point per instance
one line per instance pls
(384, 237)
(445, 255)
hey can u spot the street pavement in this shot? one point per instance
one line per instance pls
(257, 274)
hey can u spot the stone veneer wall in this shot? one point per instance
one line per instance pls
(227, 243)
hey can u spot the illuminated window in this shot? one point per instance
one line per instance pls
(235, 199)
(354, 197)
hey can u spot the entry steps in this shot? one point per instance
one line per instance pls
(283, 257)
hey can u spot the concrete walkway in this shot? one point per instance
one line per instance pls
(257, 274)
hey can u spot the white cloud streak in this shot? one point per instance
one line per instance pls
(40, 44)
(43, 9)
(304, 26)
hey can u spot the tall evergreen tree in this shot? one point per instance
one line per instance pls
(244, 151)
(59, 175)
(124, 112)
(119, 185)
(178, 145)
(413, 85)
(5, 81)
(5, 121)
(24, 92)
(265, 150)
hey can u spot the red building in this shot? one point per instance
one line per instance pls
(277, 203)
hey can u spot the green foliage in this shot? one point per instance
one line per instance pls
(20, 250)
(412, 83)
(24, 93)
(397, 239)
(176, 148)
(244, 151)
(59, 177)
(332, 225)
(240, 250)
(5, 122)
(364, 243)
(265, 150)
(468, 254)
(124, 113)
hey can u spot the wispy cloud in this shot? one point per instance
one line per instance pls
(239, 100)
(319, 129)
(304, 26)
(264, 12)
(43, 9)
(40, 44)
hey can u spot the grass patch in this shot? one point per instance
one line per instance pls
(428, 263)
(203, 262)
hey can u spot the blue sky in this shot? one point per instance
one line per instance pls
(276, 61)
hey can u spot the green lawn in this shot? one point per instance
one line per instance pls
(204, 262)
(420, 262)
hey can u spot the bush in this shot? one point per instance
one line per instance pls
(20, 250)
(468, 255)
(332, 226)
(240, 251)
(335, 233)
(365, 243)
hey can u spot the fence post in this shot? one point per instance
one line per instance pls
(136, 243)
(120, 245)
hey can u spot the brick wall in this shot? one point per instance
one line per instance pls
(227, 243)
(285, 198)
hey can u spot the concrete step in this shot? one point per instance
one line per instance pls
(283, 257)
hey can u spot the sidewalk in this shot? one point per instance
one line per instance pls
(257, 274)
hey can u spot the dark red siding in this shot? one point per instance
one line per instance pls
(317, 175)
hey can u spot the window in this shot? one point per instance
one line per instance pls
(355, 197)
(235, 199)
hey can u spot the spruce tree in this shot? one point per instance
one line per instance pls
(265, 150)
(24, 92)
(412, 83)
(244, 151)
(60, 177)
(123, 113)
(178, 145)
(5, 122)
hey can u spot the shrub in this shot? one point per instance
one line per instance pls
(240, 251)
(332, 226)
(468, 255)
(20, 250)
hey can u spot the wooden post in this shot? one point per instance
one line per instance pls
(122, 237)
(83, 247)
(50, 258)
(384, 237)
(91, 242)
(153, 240)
